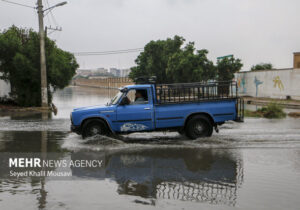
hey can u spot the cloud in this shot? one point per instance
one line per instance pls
(253, 30)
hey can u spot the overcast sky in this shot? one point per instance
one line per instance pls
(253, 30)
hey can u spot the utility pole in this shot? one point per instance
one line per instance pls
(44, 91)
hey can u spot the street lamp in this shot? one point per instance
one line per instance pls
(44, 91)
(57, 5)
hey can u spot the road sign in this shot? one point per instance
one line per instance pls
(226, 56)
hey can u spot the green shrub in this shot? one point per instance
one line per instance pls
(272, 110)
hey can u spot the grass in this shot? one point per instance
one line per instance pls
(272, 110)
(249, 113)
(294, 114)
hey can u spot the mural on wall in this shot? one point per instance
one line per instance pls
(241, 82)
(278, 83)
(257, 82)
(274, 84)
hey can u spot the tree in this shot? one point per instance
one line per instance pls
(262, 66)
(20, 65)
(170, 62)
(154, 60)
(186, 66)
(226, 68)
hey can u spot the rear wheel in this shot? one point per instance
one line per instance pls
(93, 128)
(199, 126)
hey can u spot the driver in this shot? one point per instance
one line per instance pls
(139, 96)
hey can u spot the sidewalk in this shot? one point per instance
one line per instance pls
(290, 104)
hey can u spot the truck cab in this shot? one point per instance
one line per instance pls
(193, 109)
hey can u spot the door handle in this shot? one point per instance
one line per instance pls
(147, 108)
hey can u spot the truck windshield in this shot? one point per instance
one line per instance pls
(115, 99)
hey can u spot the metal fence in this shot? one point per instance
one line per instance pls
(194, 92)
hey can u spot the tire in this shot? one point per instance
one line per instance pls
(199, 126)
(93, 128)
(181, 131)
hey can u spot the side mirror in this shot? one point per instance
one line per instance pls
(124, 101)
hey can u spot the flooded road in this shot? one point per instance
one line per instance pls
(252, 165)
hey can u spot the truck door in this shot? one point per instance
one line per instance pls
(138, 114)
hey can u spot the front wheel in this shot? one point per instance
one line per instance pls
(93, 128)
(181, 131)
(199, 126)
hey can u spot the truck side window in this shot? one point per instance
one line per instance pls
(138, 96)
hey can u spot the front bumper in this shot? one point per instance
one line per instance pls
(76, 129)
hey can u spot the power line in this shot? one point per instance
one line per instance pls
(28, 6)
(24, 5)
(108, 52)
(53, 18)
(49, 22)
(50, 11)
(81, 53)
(132, 49)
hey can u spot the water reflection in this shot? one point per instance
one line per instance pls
(26, 142)
(154, 168)
(29, 144)
(35, 187)
(195, 175)
(33, 141)
(28, 115)
(201, 175)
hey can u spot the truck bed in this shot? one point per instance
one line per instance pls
(174, 115)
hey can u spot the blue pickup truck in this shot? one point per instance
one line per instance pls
(192, 109)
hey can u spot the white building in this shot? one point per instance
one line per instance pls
(120, 72)
(116, 72)
(125, 72)
(4, 88)
(101, 71)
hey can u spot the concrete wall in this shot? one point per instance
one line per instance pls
(270, 83)
(103, 82)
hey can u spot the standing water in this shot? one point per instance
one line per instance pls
(253, 165)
